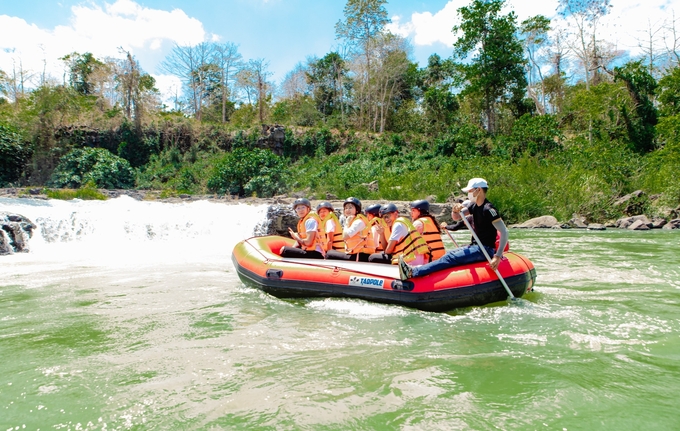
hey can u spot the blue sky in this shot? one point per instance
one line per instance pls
(283, 32)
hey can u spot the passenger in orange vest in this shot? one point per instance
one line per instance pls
(308, 244)
(355, 233)
(374, 220)
(428, 227)
(331, 229)
(399, 239)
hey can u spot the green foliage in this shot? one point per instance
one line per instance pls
(248, 172)
(13, 155)
(92, 165)
(135, 147)
(668, 91)
(535, 134)
(87, 193)
(641, 121)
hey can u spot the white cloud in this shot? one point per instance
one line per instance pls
(99, 30)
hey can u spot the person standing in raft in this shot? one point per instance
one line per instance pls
(487, 221)
(355, 233)
(308, 234)
(427, 226)
(399, 239)
(331, 229)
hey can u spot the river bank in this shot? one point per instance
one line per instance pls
(280, 217)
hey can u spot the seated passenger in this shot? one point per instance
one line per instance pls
(374, 220)
(308, 245)
(427, 226)
(355, 233)
(331, 229)
(399, 238)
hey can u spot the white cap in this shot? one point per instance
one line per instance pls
(475, 183)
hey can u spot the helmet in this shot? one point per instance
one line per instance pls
(388, 208)
(422, 205)
(324, 204)
(302, 201)
(354, 201)
(373, 209)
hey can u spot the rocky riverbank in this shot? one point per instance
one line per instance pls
(280, 216)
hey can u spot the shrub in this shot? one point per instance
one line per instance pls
(248, 172)
(13, 155)
(96, 165)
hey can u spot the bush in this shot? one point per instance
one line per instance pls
(13, 155)
(248, 172)
(95, 165)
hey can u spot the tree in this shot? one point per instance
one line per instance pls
(134, 86)
(641, 122)
(535, 32)
(495, 73)
(228, 61)
(364, 22)
(389, 73)
(439, 102)
(79, 68)
(586, 15)
(327, 77)
(189, 64)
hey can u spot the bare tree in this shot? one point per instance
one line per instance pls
(189, 64)
(295, 83)
(672, 41)
(228, 60)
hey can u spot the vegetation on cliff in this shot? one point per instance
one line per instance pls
(555, 128)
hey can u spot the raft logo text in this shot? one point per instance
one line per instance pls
(366, 282)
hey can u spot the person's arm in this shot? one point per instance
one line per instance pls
(398, 232)
(354, 229)
(419, 226)
(500, 227)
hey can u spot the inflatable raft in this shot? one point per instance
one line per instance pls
(258, 264)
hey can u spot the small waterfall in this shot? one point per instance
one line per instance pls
(5, 243)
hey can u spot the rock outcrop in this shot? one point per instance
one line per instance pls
(543, 222)
(15, 231)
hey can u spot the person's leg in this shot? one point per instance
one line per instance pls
(380, 258)
(338, 255)
(456, 257)
(300, 253)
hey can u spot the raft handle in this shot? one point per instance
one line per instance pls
(402, 285)
(274, 274)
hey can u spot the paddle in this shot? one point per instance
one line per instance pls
(481, 247)
(454, 241)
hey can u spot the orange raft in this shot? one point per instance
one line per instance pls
(258, 264)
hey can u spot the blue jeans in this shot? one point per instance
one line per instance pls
(456, 257)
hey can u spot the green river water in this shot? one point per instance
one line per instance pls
(129, 316)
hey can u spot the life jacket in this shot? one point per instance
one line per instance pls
(334, 237)
(359, 242)
(409, 245)
(372, 238)
(432, 237)
(303, 234)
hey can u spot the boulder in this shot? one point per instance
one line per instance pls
(673, 224)
(633, 203)
(15, 231)
(658, 222)
(638, 225)
(596, 226)
(624, 222)
(544, 222)
(578, 222)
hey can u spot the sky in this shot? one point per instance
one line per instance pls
(36, 33)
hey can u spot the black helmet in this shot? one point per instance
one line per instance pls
(388, 208)
(324, 204)
(422, 205)
(373, 209)
(302, 201)
(354, 201)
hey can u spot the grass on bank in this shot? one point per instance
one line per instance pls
(85, 193)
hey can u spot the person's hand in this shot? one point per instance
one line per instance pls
(457, 208)
(495, 262)
(443, 225)
(379, 229)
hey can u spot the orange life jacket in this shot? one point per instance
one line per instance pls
(335, 237)
(432, 237)
(303, 234)
(372, 236)
(359, 242)
(410, 245)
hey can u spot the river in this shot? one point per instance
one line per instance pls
(128, 315)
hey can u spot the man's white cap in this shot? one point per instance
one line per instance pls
(475, 183)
